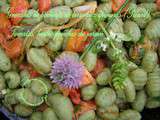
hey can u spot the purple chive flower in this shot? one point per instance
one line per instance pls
(67, 72)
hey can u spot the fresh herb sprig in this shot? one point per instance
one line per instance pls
(119, 74)
(105, 31)
(119, 68)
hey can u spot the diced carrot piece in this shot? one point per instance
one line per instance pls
(18, 7)
(44, 5)
(75, 96)
(5, 26)
(78, 41)
(87, 79)
(14, 48)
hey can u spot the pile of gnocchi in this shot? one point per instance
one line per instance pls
(79, 59)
